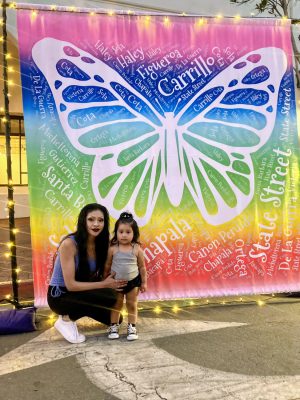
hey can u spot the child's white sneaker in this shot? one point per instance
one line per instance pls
(131, 332)
(113, 331)
(68, 329)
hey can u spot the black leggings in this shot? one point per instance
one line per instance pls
(96, 304)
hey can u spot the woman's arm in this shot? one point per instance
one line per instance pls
(142, 269)
(108, 262)
(68, 252)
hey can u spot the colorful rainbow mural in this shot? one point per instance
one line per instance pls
(190, 123)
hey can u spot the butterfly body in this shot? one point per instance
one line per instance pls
(174, 182)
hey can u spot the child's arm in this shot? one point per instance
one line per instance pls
(108, 262)
(142, 269)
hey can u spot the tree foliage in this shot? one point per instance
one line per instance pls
(277, 8)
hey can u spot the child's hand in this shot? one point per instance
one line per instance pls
(143, 287)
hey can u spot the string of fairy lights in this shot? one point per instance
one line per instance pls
(147, 13)
(180, 306)
(142, 10)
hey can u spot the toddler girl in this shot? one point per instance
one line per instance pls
(126, 259)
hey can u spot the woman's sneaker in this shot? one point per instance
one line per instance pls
(68, 329)
(113, 331)
(131, 332)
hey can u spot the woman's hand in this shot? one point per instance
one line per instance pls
(112, 283)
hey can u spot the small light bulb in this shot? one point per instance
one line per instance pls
(175, 309)
(157, 310)
(260, 303)
(200, 22)
(15, 230)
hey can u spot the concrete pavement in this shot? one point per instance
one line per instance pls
(233, 351)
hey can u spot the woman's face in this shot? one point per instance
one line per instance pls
(94, 223)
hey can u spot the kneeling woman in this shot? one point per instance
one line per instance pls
(76, 287)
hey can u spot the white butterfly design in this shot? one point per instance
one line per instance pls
(204, 148)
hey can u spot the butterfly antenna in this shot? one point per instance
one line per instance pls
(179, 100)
(163, 112)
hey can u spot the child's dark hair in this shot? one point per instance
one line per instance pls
(126, 218)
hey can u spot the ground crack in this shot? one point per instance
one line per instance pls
(121, 377)
(156, 391)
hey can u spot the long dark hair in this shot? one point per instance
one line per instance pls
(101, 243)
(126, 218)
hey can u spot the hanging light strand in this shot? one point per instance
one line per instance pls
(133, 9)
(10, 200)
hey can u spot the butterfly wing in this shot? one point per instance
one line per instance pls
(221, 126)
(214, 134)
(103, 115)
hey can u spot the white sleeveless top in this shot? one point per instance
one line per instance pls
(124, 264)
